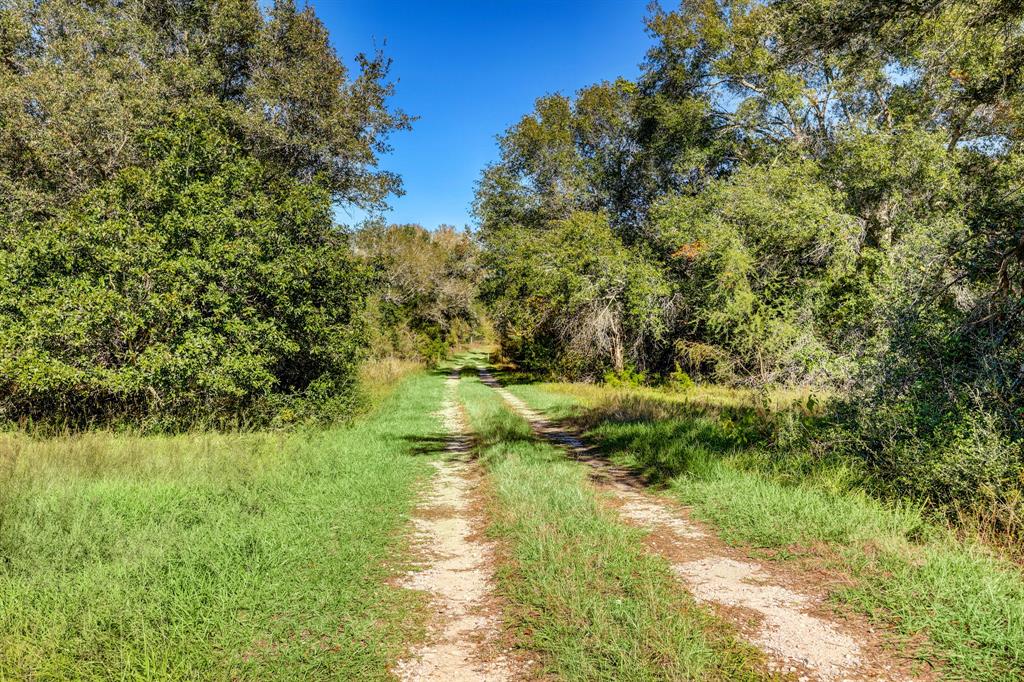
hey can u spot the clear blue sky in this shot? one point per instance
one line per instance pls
(469, 70)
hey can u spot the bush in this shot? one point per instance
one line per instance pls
(570, 299)
(628, 377)
(680, 381)
(755, 255)
(200, 289)
(965, 461)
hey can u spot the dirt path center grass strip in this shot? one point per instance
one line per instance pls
(791, 624)
(579, 586)
(454, 566)
(959, 605)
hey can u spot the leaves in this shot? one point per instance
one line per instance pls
(168, 250)
(816, 192)
(174, 294)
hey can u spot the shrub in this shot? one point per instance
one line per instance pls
(629, 376)
(570, 298)
(680, 380)
(201, 289)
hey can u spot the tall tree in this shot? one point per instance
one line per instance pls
(425, 285)
(167, 251)
(830, 190)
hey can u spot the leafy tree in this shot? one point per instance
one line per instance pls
(830, 191)
(81, 84)
(604, 150)
(757, 255)
(168, 169)
(424, 291)
(175, 294)
(569, 298)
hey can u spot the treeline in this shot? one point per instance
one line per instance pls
(795, 192)
(168, 253)
(424, 298)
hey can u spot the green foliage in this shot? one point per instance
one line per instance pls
(756, 254)
(568, 156)
(81, 85)
(423, 299)
(568, 297)
(680, 381)
(964, 463)
(172, 294)
(828, 193)
(166, 243)
(628, 376)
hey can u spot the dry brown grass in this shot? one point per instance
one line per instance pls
(379, 375)
(655, 403)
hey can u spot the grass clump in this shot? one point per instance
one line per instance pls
(199, 556)
(580, 586)
(957, 599)
(378, 376)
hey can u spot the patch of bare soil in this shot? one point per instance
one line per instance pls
(456, 564)
(779, 609)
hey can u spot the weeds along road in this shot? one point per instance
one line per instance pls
(790, 620)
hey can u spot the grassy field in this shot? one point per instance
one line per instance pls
(958, 600)
(581, 589)
(247, 556)
(267, 555)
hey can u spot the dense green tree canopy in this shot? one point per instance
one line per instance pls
(829, 193)
(176, 292)
(81, 83)
(168, 171)
(570, 295)
(424, 288)
(757, 256)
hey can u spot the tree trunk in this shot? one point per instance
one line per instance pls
(617, 360)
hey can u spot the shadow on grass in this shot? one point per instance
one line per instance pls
(512, 377)
(496, 433)
(426, 445)
(660, 439)
(660, 451)
(503, 430)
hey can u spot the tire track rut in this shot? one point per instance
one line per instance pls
(780, 614)
(456, 571)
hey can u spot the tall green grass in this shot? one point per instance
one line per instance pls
(958, 600)
(580, 587)
(199, 556)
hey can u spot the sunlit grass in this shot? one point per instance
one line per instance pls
(705, 396)
(580, 587)
(212, 556)
(958, 600)
(378, 376)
